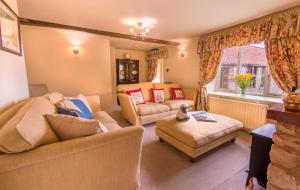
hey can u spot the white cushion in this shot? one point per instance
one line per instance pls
(151, 108)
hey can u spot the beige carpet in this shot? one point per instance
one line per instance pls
(165, 168)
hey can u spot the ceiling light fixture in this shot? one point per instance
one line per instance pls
(139, 30)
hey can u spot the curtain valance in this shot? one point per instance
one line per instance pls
(161, 53)
(152, 58)
(283, 24)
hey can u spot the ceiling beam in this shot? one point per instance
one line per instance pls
(31, 22)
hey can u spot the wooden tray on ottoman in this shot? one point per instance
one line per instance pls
(193, 137)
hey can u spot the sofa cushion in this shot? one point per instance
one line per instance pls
(67, 111)
(106, 120)
(8, 113)
(68, 127)
(83, 99)
(28, 128)
(145, 87)
(67, 105)
(158, 95)
(151, 108)
(54, 97)
(167, 89)
(137, 96)
(177, 94)
(84, 110)
(198, 133)
(175, 104)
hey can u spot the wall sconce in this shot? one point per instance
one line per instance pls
(181, 54)
(76, 50)
(127, 56)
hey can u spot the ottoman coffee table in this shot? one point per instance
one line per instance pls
(194, 137)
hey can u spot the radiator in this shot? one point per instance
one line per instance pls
(252, 115)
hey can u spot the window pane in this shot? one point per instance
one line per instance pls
(247, 59)
(158, 78)
(274, 89)
(228, 68)
(254, 60)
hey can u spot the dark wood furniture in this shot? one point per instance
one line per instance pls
(127, 71)
(279, 113)
(259, 158)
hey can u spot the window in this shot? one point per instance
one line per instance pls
(159, 77)
(247, 59)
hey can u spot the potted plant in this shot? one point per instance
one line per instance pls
(244, 81)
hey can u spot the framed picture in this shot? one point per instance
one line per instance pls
(10, 38)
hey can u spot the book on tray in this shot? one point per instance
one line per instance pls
(204, 116)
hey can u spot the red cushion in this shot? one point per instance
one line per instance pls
(177, 93)
(137, 96)
(158, 95)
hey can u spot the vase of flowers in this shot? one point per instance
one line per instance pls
(244, 81)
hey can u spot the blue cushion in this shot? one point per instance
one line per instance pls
(85, 112)
(66, 111)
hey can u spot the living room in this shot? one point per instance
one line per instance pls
(150, 95)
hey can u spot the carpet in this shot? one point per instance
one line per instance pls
(163, 167)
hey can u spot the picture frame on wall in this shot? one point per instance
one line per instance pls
(10, 37)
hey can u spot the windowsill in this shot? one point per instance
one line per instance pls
(248, 98)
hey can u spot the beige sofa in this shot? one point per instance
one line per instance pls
(104, 161)
(151, 112)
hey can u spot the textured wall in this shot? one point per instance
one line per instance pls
(13, 79)
(50, 60)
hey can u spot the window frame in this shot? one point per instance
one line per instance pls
(267, 80)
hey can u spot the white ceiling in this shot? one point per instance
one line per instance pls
(176, 19)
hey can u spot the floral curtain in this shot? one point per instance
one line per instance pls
(152, 58)
(209, 62)
(280, 32)
(284, 61)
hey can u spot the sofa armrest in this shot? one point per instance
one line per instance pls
(94, 102)
(191, 94)
(128, 108)
(102, 158)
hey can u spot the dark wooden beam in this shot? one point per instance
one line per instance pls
(31, 22)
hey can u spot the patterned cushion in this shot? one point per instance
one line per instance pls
(177, 93)
(158, 95)
(84, 110)
(83, 99)
(69, 127)
(66, 111)
(167, 89)
(67, 106)
(137, 96)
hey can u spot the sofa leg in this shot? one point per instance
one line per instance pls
(232, 140)
(161, 140)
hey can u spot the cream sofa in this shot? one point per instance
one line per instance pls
(151, 112)
(107, 161)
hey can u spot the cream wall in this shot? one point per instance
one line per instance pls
(50, 60)
(120, 54)
(13, 79)
(184, 71)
